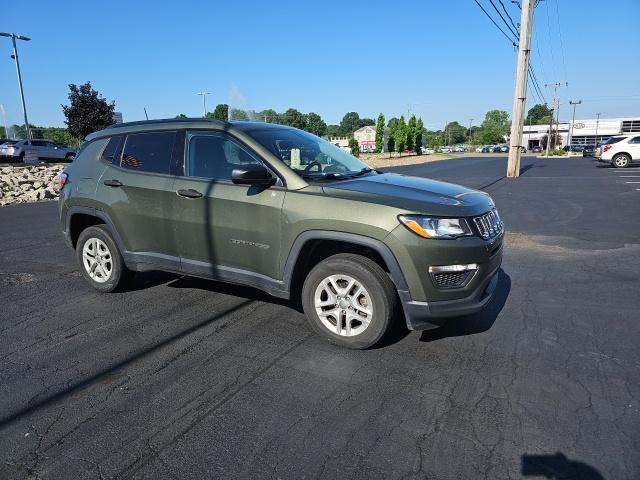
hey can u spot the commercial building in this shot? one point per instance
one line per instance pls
(366, 137)
(584, 132)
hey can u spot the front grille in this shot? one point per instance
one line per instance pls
(489, 225)
(451, 280)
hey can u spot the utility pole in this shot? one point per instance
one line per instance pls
(13, 37)
(556, 108)
(145, 113)
(520, 95)
(470, 122)
(597, 123)
(204, 102)
(573, 120)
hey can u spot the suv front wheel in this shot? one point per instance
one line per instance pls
(100, 260)
(350, 300)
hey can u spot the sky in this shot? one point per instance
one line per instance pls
(440, 59)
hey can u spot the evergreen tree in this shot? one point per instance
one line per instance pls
(380, 133)
(418, 132)
(411, 132)
(401, 135)
(391, 139)
(354, 146)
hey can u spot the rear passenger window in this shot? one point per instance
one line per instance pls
(148, 152)
(112, 150)
(635, 140)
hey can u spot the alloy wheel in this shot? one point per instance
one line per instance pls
(343, 305)
(96, 259)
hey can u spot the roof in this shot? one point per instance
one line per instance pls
(366, 126)
(173, 123)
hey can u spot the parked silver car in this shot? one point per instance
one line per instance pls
(42, 149)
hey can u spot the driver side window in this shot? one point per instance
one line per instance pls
(213, 156)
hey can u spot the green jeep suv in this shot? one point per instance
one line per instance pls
(281, 210)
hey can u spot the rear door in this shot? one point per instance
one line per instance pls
(136, 190)
(225, 229)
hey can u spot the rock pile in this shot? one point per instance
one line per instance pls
(28, 184)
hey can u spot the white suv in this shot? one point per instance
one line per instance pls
(620, 150)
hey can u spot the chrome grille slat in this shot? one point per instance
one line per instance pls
(489, 225)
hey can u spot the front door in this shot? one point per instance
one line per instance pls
(226, 231)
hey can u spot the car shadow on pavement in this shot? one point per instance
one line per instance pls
(557, 466)
(478, 322)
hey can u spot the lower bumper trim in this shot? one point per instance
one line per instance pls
(428, 315)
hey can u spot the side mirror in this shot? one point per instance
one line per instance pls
(252, 174)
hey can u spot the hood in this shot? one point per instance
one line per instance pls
(413, 194)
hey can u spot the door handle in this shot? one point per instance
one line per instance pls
(190, 193)
(112, 183)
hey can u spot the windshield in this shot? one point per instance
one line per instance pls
(308, 155)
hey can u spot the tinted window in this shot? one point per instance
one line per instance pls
(635, 140)
(215, 156)
(613, 140)
(112, 150)
(37, 143)
(148, 152)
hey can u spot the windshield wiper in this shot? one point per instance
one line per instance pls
(323, 176)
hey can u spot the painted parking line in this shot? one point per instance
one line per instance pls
(629, 176)
(632, 182)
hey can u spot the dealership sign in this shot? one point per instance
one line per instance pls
(578, 125)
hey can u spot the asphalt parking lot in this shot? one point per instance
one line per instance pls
(185, 378)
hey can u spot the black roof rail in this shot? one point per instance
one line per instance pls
(168, 120)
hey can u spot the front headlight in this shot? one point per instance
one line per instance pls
(430, 227)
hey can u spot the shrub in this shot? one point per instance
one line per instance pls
(355, 147)
(557, 153)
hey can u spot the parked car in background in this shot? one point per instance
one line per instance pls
(589, 151)
(43, 149)
(536, 149)
(426, 150)
(479, 149)
(4, 140)
(446, 149)
(620, 150)
(487, 149)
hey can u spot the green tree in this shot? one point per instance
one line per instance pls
(334, 131)
(181, 115)
(454, 133)
(417, 136)
(366, 121)
(239, 114)
(269, 116)
(87, 111)
(294, 118)
(411, 132)
(221, 112)
(401, 135)
(355, 147)
(539, 114)
(315, 124)
(495, 126)
(350, 123)
(380, 133)
(391, 139)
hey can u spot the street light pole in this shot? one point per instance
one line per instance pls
(595, 144)
(204, 102)
(573, 120)
(13, 37)
(470, 122)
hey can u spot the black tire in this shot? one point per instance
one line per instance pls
(119, 276)
(373, 278)
(621, 160)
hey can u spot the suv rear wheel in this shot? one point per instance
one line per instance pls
(349, 300)
(100, 260)
(621, 160)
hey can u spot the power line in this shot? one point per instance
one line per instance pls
(505, 11)
(494, 22)
(504, 21)
(564, 65)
